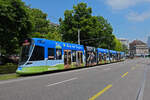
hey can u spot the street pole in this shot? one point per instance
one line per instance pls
(79, 36)
(78, 28)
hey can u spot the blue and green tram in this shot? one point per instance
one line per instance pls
(122, 56)
(91, 56)
(42, 55)
(112, 55)
(107, 56)
(103, 56)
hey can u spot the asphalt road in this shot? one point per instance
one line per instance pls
(128, 80)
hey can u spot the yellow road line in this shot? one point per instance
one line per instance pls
(124, 74)
(101, 92)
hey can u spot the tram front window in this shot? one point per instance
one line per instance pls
(24, 54)
(25, 51)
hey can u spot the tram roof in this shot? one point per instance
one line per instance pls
(122, 53)
(57, 44)
(112, 51)
(102, 50)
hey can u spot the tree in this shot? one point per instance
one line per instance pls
(42, 26)
(15, 25)
(94, 30)
(125, 49)
(39, 19)
(54, 36)
(78, 18)
(103, 31)
(118, 46)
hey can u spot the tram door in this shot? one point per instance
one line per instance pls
(100, 58)
(104, 57)
(67, 58)
(79, 58)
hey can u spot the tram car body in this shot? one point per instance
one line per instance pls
(42, 55)
(112, 55)
(91, 56)
(103, 56)
(122, 56)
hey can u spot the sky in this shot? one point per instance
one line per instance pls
(130, 19)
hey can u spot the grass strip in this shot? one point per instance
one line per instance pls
(9, 76)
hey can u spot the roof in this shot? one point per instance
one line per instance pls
(57, 44)
(112, 51)
(102, 50)
(137, 42)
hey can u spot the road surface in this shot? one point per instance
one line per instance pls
(128, 80)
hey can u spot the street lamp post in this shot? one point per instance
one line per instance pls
(79, 36)
(78, 27)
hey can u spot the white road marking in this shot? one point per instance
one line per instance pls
(63, 81)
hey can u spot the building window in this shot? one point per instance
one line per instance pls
(51, 53)
(38, 53)
(58, 54)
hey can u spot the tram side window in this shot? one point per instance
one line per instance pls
(51, 55)
(58, 54)
(81, 57)
(102, 56)
(110, 55)
(73, 56)
(107, 55)
(38, 53)
(69, 57)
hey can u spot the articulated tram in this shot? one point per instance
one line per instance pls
(42, 55)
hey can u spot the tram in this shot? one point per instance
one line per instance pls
(41, 55)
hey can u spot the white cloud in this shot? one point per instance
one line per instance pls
(122, 4)
(134, 16)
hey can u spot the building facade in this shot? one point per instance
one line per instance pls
(148, 41)
(138, 48)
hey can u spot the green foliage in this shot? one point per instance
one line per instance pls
(39, 19)
(19, 21)
(15, 25)
(9, 76)
(42, 26)
(125, 49)
(50, 36)
(104, 33)
(8, 68)
(37, 35)
(53, 36)
(94, 30)
(118, 46)
(74, 20)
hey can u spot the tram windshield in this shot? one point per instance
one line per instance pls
(25, 52)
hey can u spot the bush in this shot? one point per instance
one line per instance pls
(8, 68)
